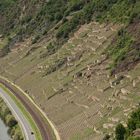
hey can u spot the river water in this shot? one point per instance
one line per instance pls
(3, 131)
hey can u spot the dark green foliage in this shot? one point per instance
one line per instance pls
(35, 39)
(57, 65)
(133, 123)
(122, 11)
(26, 19)
(49, 13)
(51, 48)
(120, 132)
(74, 6)
(89, 10)
(7, 15)
(121, 47)
(40, 17)
(113, 10)
(9, 120)
(4, 4)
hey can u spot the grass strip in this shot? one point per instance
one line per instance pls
(26, 114)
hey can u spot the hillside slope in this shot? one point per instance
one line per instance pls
(78, 60)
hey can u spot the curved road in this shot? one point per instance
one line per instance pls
(23, 122)
(46, 130)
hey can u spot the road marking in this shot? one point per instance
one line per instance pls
(41, 111)
(15, 114)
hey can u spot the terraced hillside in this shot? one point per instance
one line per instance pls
(74, 86)
(79, 62)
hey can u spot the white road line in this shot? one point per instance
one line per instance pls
(54, 128)
(16, 115)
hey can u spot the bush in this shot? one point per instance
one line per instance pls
(133, 124)
(134, 121)
(10, 120)
(119, 51)
(120, 132)
(35, 39)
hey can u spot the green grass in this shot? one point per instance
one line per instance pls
(115, 111)
(134, 138)
(80, 136)
(3, 43)
(119, 51)
(26, 114)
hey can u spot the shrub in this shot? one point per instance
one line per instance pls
(35, 39)
(10, 120)
(133, 123)
(120, 132)
(119, 50)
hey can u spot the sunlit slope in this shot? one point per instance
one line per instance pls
(73, 86)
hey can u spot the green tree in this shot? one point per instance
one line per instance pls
(10, 120)
(120, 132)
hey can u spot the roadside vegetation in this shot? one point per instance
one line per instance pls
(5, 114)
(26, 114)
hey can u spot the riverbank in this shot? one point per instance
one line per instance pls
(9, 120)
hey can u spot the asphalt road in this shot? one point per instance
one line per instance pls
(46, 131)
(23, 122)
